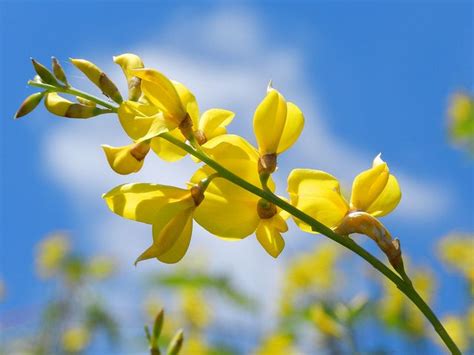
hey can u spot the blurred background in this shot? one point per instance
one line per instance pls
(370, 77)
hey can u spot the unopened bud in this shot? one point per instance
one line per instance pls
(99, 78)
(157, 327)
(176, 343)
(58, 70)
(127, 62)
(127, 159)
(44, 73)
(29, 104)
(65, 108)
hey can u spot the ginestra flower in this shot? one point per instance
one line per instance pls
(230, 212)
(146, 120)
(128, 62)
(168, 209)
(277, 125)
(375, 193)
(127, 159)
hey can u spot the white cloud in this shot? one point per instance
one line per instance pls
(229, 64)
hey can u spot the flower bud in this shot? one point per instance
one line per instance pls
(176, 343)
(127, 62)
(127, 159)
(58, 70)
(29, 104)
(99, 78)
(45, 75)
(65, 108)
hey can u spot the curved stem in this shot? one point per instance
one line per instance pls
(403, 286)
(73, 91)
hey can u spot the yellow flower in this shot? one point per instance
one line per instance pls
(65, 108)
(168, 209)
(230, 212)
(324, 322)
(127, 159)
(127, 62)
(396, 311)
(194, 307)
(457, 250)
(277, 124)
(100, 267)
(277, 344)
(195, 345)
(75, 339)
(317, 193)
(51, 253)
(147, 119)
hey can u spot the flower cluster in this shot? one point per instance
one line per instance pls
(231, 194)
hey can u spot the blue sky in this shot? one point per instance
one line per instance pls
(369, 77)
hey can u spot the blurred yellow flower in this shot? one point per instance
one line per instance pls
(50, 254)
(168, 209)
(397, 311)
(195, 345)
(75, 339)
(277, 344)
(100, 267)
(230, 212)
(457, 251)
(277, 123)
(461, 119)
(326, 324)
(194, 307)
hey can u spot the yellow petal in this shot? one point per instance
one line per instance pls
(293, 126)
(317, 193)
(369, 184)
(127, 159)
(387, 200)
(181, 229)
(166, 150)
(269, 121)
(142, 121)
(189, 102)
(127, 62)
(214, 121)
(227, 210)
(171, 235)
(161, 92)
(270, 238)
(142, 202)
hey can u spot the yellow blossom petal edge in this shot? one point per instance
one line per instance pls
(269, 235)
(293, 127)
(171, 235)
(317, 193)
(214, 121)
(369, 184)
(269, 121)
(189, 102)
(142, 202)
(161, 92)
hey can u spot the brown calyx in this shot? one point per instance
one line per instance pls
(266, 209)
(140, 150)
(197, 194)
(200, 137)
(267, 163)
(186, 127)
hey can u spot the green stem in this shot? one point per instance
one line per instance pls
(73, 91)
(316, 226)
